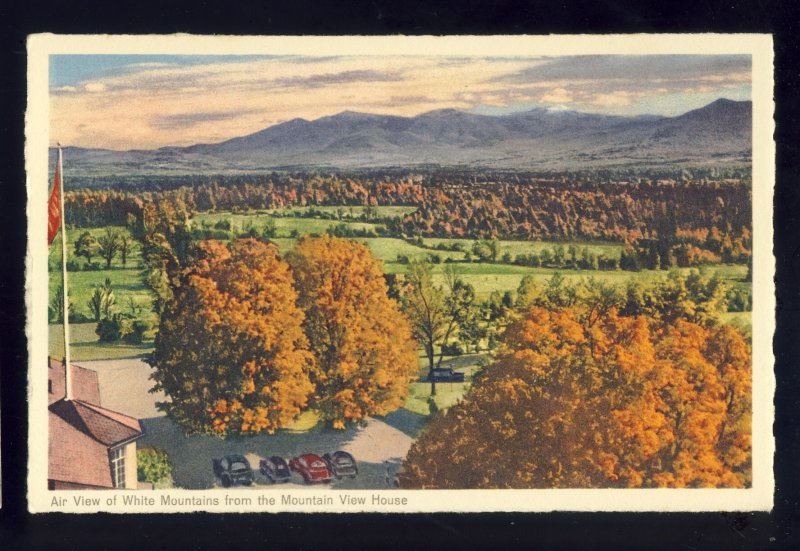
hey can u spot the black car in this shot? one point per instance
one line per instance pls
(275, 468)
(446, 375)
(341, 464)
(233, 470)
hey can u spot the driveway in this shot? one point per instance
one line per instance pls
(379, 445)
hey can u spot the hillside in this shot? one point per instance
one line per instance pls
(719, 133)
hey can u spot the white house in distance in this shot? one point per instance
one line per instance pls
(90, 447)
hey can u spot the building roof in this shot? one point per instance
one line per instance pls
(75, 457)
(85, 385)
(107, 427)
(81, 431)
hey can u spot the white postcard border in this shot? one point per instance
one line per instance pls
(758, 497)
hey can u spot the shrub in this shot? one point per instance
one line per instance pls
(452, 349)
(137, 329)
(109, 330)
(72, 265)
(154, 466)
(223, 224)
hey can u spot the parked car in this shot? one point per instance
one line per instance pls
(233, 470)
(311, 467)
(341, 464)
(446, 375)
(275, 468)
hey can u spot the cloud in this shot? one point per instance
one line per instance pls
(186, 120)
(94, 87)
(157, 104)
(557, 95)
(328, 79)
(633, 68)
(615, 99)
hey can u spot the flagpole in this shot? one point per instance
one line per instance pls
(67, 375)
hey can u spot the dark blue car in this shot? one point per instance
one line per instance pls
(275, 469)
(341, 464)
(233, 470)
(446, 375)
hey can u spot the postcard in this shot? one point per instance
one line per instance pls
(400, 274)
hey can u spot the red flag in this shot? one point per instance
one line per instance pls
(54, 208)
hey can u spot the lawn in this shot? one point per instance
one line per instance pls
(283, 225)
(527, 247)
(126, 281)
(84, 345)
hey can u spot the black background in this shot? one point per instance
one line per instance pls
(18, 529)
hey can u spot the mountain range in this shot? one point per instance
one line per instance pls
(719, 133)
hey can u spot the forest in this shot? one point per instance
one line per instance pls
(663, 223)
(263, 299)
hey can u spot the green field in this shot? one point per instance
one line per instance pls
(84, 345)
(283, 225)
(351, 211)
(485, 277)
(527, 247)
(125, 280)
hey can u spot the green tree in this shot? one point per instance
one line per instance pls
(56, 308)
(269, 230)
(95, 303)
(483, 250)
(125, 246)
(154, 467)
(108, 245)
(425, 304)
(86, 245)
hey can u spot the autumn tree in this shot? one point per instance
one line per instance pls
(625, 402)
(362, 342)
(230, 353)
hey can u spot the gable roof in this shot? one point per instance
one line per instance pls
(81, 431)
(75, 457)
(105, 426)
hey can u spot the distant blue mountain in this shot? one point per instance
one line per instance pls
(537, 139)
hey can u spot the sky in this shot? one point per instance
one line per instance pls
(126, 102)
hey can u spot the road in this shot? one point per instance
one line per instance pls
(379, 445)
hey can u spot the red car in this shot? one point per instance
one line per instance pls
(311, 467)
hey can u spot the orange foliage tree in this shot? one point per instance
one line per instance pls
(231, 353)
(573, 402)
(365, 355)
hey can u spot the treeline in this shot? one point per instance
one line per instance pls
(712, 217)
(665, 222)
(93, 208)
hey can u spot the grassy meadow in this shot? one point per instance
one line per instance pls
(485, 277)
(125, 280)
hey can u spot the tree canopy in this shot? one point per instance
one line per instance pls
(574, 401)
(365, 354)
(231, 353)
